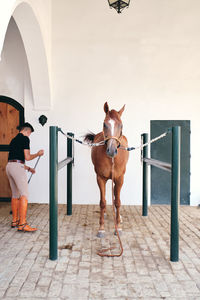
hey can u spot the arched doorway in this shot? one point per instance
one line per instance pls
(11, 115)
(29, 26)
(27, 21)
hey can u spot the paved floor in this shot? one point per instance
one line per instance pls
(143, 272)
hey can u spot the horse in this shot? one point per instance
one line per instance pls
(103, 157)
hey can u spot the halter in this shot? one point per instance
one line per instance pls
(114, 138)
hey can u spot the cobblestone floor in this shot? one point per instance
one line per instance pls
(143, 272)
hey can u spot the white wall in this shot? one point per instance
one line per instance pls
(148, 58)
(41, 9)
(12, 65)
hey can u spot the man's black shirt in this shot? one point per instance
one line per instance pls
(17, 146)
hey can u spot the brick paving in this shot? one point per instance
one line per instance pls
(143, 272)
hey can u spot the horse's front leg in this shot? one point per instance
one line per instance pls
(117, 189)
(102, 186)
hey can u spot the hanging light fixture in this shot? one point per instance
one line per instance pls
(42, 120)
(119, 5)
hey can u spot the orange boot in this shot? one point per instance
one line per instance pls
(15, 212)
(23, 226)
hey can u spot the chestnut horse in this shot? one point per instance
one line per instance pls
(102, 157)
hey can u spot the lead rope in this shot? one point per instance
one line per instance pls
(101, 143)
(102, 252)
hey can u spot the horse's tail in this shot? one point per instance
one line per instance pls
(89, 137)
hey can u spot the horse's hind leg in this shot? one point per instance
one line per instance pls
(102, 184)
(117, 189)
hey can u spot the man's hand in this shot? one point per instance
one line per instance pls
(40, 153)
(32, 170)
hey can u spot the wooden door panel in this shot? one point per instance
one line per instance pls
(5, 191)
(9, 120)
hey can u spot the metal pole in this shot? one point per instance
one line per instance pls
(53, 207)
(175, 193)
(145, 177)
(34, 168)
(69, 175)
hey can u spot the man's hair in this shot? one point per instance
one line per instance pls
(25, 126)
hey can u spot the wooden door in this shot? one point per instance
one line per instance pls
(10, 117)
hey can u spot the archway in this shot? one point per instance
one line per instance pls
(32, 38)
(36, 55)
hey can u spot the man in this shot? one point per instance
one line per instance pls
(19, 151)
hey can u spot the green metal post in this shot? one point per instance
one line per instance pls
(53, 207)
(69, 175)
(175, 192)
(145, 177)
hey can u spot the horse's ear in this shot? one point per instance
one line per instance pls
(106, 108)
(121, 110)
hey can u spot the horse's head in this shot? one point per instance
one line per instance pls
(112, 129)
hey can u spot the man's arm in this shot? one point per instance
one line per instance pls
(29, 156)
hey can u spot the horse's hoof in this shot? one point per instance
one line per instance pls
(119, 231)
(100, 233)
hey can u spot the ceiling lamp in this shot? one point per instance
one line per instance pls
(119, 5)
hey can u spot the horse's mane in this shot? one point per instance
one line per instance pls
(89, 137)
